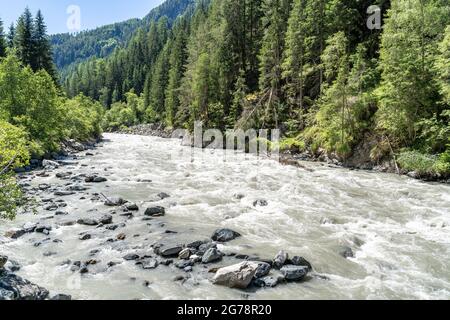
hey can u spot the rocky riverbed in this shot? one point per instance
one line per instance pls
(142, 218)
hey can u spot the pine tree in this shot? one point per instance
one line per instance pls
(23, 40)
(11, 35)
(409, 44)
(2, 41)
(270, 82)
(177, 60)
(295, 67)
(42, 48)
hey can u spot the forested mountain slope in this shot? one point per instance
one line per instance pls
(101, 42)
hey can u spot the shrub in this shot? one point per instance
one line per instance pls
(424, 164)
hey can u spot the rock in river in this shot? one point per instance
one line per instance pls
(236, 276)
(88, 222)
(294, 273)
(61, 297)
(263, 270)
(115, 202)
(280, 259)
(3, 260)
(225, 235)
(14, 233)
(155, 212)
(170, 251)
(13, 287)
(211, 255)
(106, 219)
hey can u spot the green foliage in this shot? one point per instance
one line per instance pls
(408, 91)
(292, 144)
(3, 43)
(13, 154)
(423, 164)
(82, 118)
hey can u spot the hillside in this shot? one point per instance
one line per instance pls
(101, 42)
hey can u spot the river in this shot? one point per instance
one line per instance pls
(397, 227)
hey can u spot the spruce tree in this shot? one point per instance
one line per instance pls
(42, 48)
(295, 67)
(11, 35)
(270, 82)
(23, 40)
(2, 41)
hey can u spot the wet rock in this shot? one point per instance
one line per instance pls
(95, 179)
(170, 251)
(280, 259)
(260, 203)
(45, 229)
(85, 237)
(294, 273)
(205, 247)
(262, 270)
(13, 287)
(300, 261)
(196, 258)
(163, 195)
(106, 219)
(131, 257)
(121, 236)
(63, 175)
(179, 278)
(64, 193)
(44, 186)
(236, 276)
(148, 264)
(51, 207)
(88, 222)
(132, 207)
(269, 281)
(84, 269)
(185, 254)
(61, 213)
(115, 202)
(155, 212)
(346, 252)
(77, 187)
(3, 260)
(29, 227)
(211, 255)
(48, 164)
(225, 235)
(61, 297)
(184, 264)
(49, 254)
(113, 263)
(67, 223)
(14, 233)
(195, 245)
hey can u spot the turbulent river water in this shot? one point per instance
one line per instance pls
(398, 228)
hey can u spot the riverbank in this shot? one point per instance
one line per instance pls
(360, 159)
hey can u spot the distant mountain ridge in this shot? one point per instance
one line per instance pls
(71, 49)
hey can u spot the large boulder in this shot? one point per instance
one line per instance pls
(88, 222)
(13, 287)
(170, 251)
(236, 276)
(225, 235)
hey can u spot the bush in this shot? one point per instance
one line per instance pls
(82, 118)
(13, 154)
(424, 164)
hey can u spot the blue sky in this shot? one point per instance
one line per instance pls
(93, 13)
